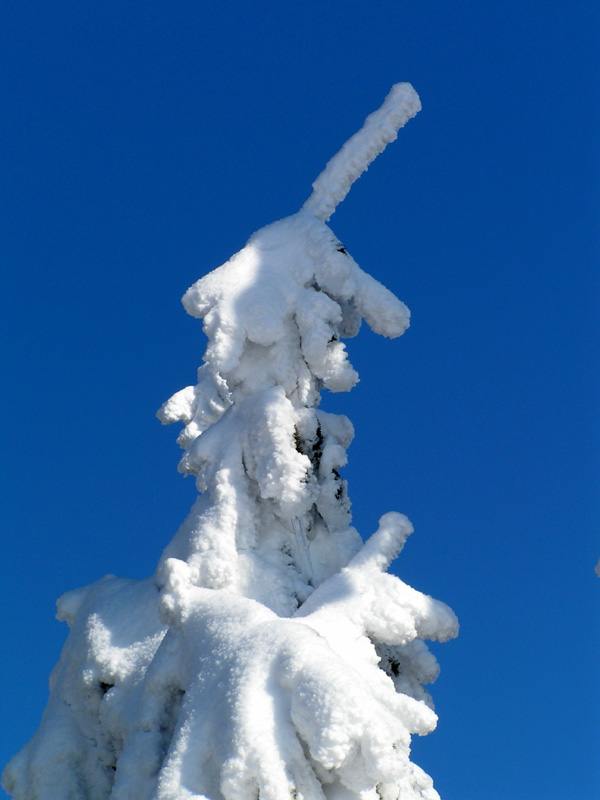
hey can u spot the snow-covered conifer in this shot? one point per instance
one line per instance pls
(271, 655)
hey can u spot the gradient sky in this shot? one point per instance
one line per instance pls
(142, 143)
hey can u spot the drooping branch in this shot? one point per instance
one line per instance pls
(380, 128)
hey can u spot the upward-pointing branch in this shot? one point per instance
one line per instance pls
(380, 128)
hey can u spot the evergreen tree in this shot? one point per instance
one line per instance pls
(271, 655)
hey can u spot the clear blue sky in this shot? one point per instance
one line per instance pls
(142, 143)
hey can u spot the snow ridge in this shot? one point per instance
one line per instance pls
(271, 655)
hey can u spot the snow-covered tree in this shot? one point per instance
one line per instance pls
(271, 655)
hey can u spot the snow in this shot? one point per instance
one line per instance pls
(380, 128)
(271, 654)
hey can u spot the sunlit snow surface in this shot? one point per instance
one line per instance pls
(271, 655)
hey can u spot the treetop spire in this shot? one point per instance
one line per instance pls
(347, 165)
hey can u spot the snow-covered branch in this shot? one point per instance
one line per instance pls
(380, 128)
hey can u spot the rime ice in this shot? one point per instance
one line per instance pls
(271, 655)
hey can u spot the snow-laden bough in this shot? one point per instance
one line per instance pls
(271, 655)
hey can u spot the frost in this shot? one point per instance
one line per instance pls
(271, 655)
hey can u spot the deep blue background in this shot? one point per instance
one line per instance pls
(142, 143)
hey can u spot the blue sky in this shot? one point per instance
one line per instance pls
(142, 144)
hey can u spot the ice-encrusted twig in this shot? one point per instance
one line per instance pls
(302, 546)
(380, 128)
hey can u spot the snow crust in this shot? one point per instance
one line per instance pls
(271, 655)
